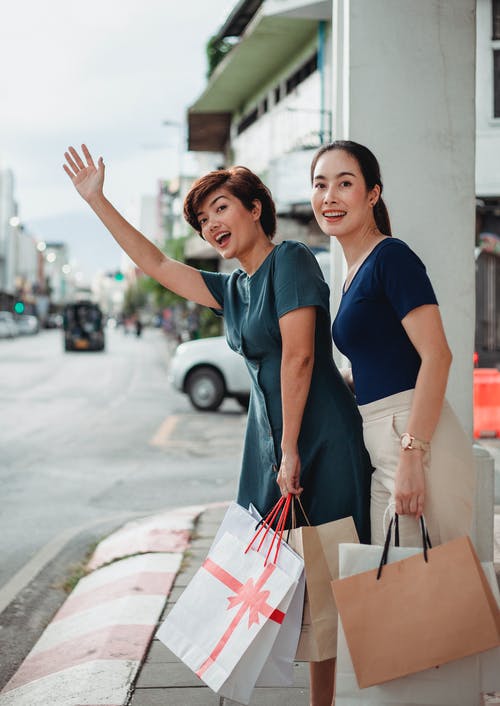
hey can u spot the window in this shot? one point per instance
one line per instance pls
(277, 94)
(496, 83)
(248, 120)
(495, 6)
(307, 68)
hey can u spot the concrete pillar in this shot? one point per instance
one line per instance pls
(483, 518)
(404, 85)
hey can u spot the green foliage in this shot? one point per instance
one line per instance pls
(134, 299)
(148, 290)
(77, 571)
(210, 324)
(160, 297)
(216, 50)
(175, 248)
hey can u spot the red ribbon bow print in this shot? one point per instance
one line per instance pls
(251, 598)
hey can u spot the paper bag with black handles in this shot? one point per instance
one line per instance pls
(417, 613)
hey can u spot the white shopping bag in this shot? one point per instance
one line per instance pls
(278, 668)
(225, 623)
(457, 683)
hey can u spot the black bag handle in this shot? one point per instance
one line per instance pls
(296, 501)
(426, 541)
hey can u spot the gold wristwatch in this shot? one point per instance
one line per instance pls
(409, 442)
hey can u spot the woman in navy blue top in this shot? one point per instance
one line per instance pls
(389, 326)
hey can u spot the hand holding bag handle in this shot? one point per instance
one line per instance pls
(278, 514)
(426, 541)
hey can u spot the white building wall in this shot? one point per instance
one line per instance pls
(488, 127)
(149, 218)
(27, 257)
(7, 233)
(285, 127)
(56, 256)
(406, 75)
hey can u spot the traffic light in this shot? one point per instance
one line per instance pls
(119, 276)
(19, 307)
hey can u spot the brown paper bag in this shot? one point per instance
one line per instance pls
(419, 614)
(318, 546)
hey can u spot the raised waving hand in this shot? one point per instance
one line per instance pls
(87, 178)
(180, 278)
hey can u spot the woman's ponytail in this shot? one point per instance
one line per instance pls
(381, 215)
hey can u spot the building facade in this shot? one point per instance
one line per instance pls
(21, 262)
(266, 104)
(396, 75)
(487, 335)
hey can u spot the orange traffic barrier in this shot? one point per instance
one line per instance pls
(486, 402)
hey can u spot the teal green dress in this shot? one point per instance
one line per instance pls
(335, 467)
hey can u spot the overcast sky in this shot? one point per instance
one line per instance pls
(105, 72)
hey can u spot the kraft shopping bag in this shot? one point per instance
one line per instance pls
(318, 545)
(418, 612)
(225, 623)
(458, 683)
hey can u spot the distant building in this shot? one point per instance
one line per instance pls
(108, 290)
(59, 281)
(8, 211)
(19, 257)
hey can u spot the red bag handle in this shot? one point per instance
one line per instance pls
(278, 514)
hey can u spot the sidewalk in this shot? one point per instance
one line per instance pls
(165, 681)
(100, 649)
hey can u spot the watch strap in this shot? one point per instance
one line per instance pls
(414, 443)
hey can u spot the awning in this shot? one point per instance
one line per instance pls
(208, 132)
(264, 49)
(317, 9)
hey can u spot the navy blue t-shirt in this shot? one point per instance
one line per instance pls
(390, 282)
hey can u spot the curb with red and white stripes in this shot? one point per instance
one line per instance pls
(90, 653)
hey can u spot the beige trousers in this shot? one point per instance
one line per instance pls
(448, 466)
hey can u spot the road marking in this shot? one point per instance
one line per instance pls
(165, 430)
(33, 567)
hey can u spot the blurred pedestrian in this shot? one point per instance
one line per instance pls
(304, 433)
(389, 327)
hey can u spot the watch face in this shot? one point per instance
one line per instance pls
(405, 440)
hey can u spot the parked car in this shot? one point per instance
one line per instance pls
(83, 327)
(8, 327)
(27, 325)
(208, 371)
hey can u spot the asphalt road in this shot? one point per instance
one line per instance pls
(87, 441)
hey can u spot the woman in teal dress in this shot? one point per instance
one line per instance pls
(334, 467)
(304, 433)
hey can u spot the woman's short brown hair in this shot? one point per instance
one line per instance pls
(240, 182)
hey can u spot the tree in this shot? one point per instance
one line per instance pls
(148, 289)
(216, 50)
